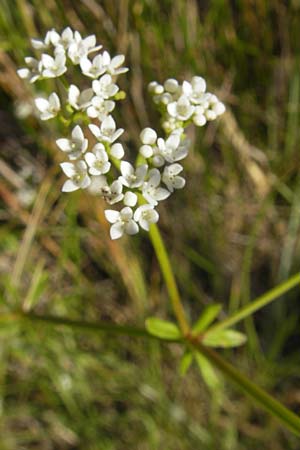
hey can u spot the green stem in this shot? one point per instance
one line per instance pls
(87, 326)
(265, 401)
(259, 303)
(168, 275)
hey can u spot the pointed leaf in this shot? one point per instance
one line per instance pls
(185, 363)
(207, 317)
(162, 329)
(224, 338)
(208, 373)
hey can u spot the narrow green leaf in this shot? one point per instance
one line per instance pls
(162, 329)
(208, 373)
(257, 304)
(185, 363)
(206, 318)
(224, 338)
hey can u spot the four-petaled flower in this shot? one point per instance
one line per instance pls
(98, 160)
(48, 108)
(78, 177)
(79, 100)
(76, 146)
(107, 131)
(53, 67)
(122, 222)
(151, 190)
(130, 177)
(145, 215)
(171, 179)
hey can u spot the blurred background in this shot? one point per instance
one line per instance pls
(232, 234)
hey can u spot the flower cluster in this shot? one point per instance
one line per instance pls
(95, 157)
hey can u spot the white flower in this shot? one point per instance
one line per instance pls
(79, 100)
(112, 65)
(40, 44)
(104, 87)
(113, 193)
(34, 70)
(148, 136)
(80, 48)
(170, 150)
(76, 146)
(107, 131)
(130, 177)
(53, 67)
(130, 199)
(117, 150)
(64, 40)
(151, 190)
(171, 179)
(181, 109)
(100, 108)
(92, 69)
(145, 215)
(122, 222)
(77, 173)
(194, 91)
(48, 108)
(98, 160)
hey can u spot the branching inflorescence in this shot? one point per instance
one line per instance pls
(100, 166)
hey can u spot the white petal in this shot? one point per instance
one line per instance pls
(117, 61)
(73, 95)
(161, 194)
(90, 158)
(95, 130)
(172, 109)
(23, 73)
(131, 227)
(148, 136)
(68, 169)
(179, 183)
(111, 215)
(47, 61)
(146, 151)
(117, 151)
(116, 230)
(69, 186)
(64, 144)
(126, 169)
(130, 199)
(154, 177)
(85, 182)
(85, 64)
(42, 104)
(54, 101)
(108, 125)
(77, 133)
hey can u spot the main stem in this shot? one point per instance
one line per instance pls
(261, 397)
(169, 277)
